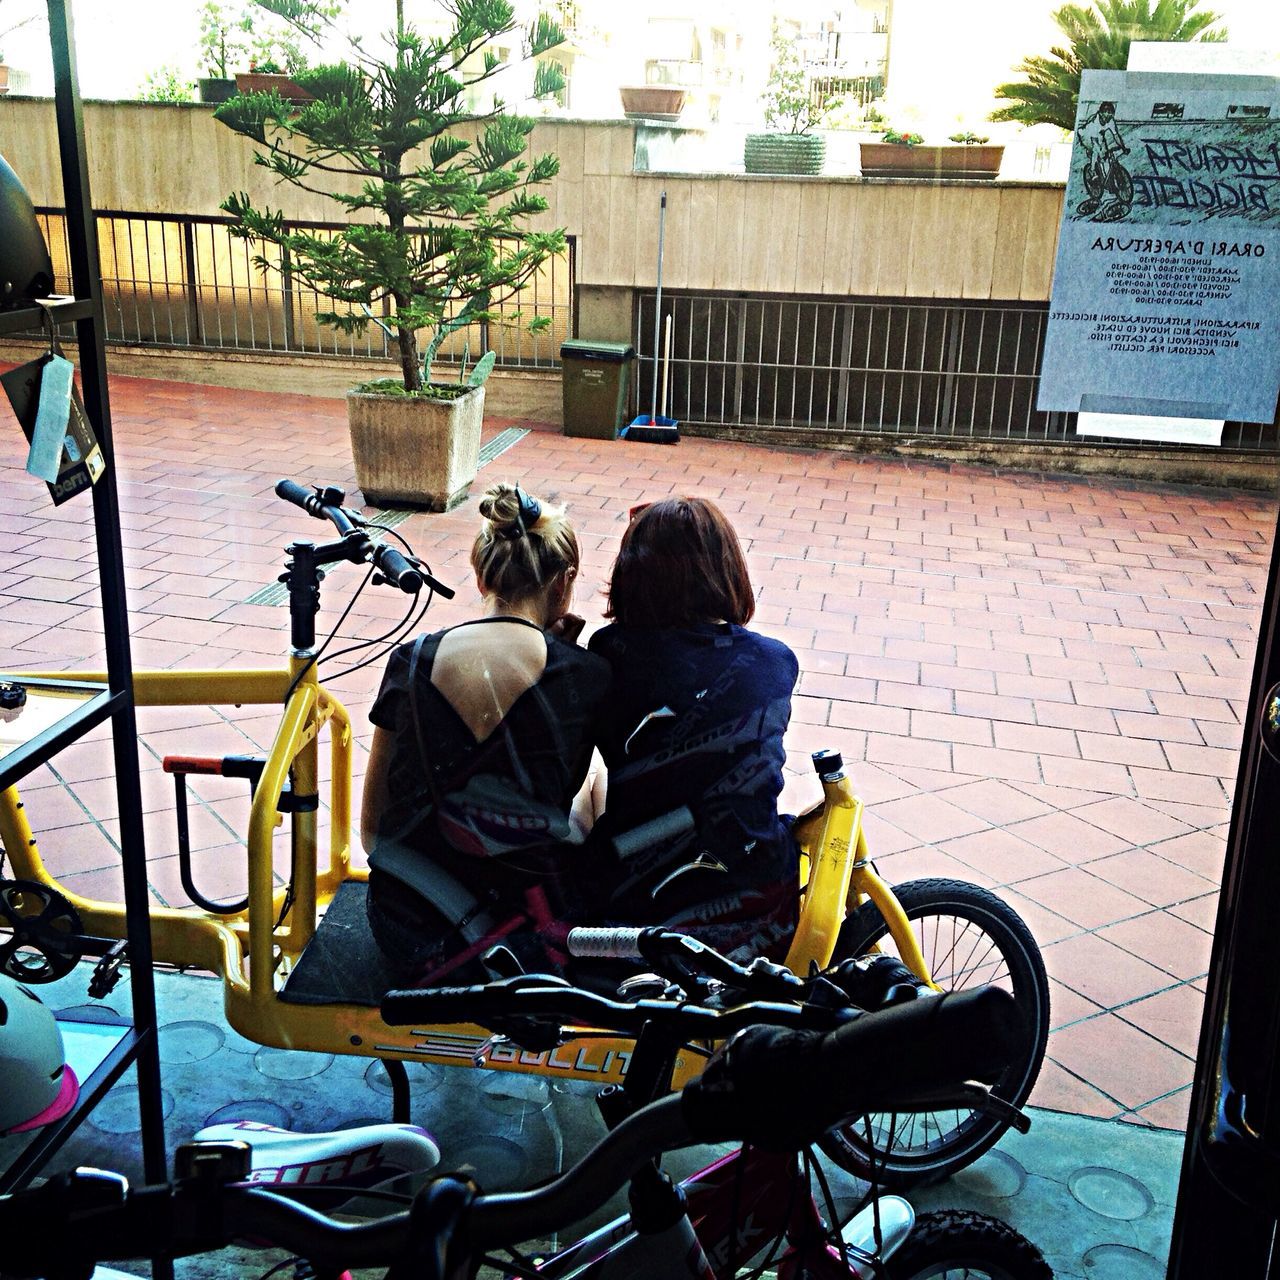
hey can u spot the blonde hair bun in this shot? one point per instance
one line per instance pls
(523, 544)
(500, 506)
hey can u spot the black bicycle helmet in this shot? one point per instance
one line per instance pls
(38, 1086)
(26, 270)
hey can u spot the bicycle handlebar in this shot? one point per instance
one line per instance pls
(393, 566)
(747, 1093)
(538, 1000)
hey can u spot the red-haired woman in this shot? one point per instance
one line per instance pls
(692, 735)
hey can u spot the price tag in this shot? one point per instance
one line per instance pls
(52, 413)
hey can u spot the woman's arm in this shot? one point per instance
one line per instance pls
(374, 799)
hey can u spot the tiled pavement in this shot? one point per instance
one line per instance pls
(1039, 680)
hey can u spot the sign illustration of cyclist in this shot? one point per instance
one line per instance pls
(1108, 183)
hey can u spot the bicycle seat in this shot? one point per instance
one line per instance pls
(352, 1158)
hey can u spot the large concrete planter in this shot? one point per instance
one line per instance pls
(412, 451)
(802, 153)
(894, 160)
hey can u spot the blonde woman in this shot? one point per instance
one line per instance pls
(482, 738)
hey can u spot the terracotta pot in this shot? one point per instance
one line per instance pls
(802, 153)
(893, 160)
(653, 101)
(411, 451)
(266, 81)
(4, 78)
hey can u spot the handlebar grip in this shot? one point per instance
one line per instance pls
(192, 764)
(605, 944)
(397, 570)
(666, 826)
(875, 1063)
(432, 1004)
(299, 495)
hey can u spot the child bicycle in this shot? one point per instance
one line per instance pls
(749, 1210)
(294, 978)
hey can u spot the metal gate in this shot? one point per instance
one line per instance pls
(944, 370)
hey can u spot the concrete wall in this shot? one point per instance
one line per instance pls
(734, 232)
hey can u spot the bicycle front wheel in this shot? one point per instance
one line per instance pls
(969, 938)
(955, 1244)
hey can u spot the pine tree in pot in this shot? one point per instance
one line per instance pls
(791, 113)
(436, 241)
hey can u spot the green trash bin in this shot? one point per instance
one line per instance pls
(596, 377)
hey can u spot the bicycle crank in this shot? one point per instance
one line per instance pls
(46, 933)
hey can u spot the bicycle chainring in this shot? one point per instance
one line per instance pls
(44, 932)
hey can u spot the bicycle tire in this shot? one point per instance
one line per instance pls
(1121, 182)
(1010, 959)
(957, 1244)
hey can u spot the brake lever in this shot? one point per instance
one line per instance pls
(977, 1097)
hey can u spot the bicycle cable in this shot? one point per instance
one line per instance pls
(398, 627)
(315, 657)
(401, 629)
(408, 624)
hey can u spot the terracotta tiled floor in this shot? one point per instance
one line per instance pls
(1038, 680)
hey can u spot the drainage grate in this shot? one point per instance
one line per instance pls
(500, 443)
(275, 593)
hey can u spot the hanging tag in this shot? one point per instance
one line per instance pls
(80, 460)
(53, 410)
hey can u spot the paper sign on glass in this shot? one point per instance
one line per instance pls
(1166, 290)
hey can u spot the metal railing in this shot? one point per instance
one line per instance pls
(177, 281)
(944, 370)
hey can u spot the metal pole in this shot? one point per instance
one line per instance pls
(657, 311)
(86, 277)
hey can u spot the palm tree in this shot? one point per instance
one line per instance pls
(1098, 37)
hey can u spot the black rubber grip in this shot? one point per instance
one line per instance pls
(432, 1004)
(299, 495)
(397, 570)
(876, 1063)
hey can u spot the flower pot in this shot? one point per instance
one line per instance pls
(784, 153)
(653, 102)
(216, 89)
(4, 78)
(893, 160)
(413, 451)
(266, 81)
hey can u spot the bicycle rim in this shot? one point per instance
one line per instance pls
(969, 938)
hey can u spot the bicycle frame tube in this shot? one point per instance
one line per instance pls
(830, 866)
(738, 1205)
(868, 884)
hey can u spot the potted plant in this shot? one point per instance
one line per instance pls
(280, 29)
(904, 155)
(791, 113)
(265, 75)
(662, 102)
(437, 200)
(223, 43)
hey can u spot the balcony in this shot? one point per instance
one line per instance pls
(683, 72)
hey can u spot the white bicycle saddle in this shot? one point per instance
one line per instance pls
(361, 1158)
